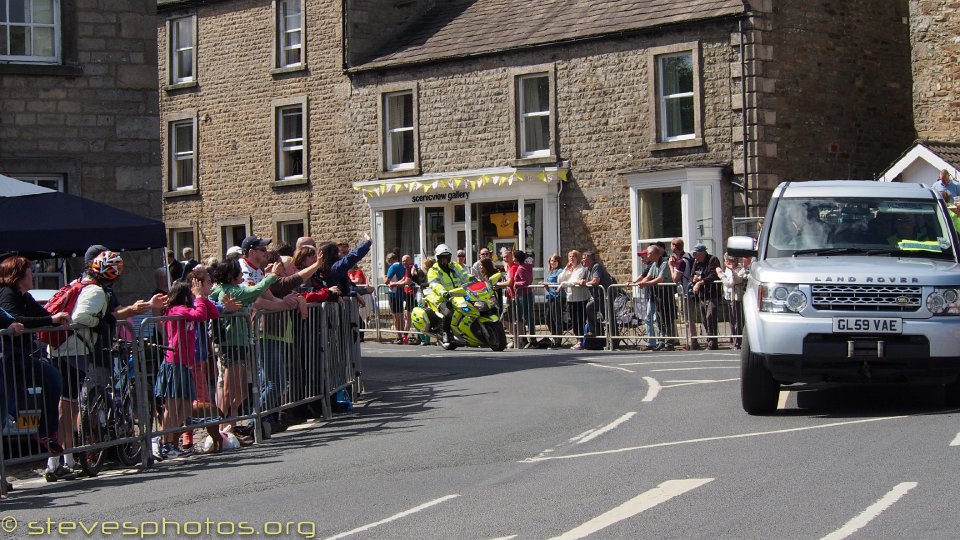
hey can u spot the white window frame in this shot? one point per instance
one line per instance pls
(175, 158)
(523, 117)
(55, 26)
(42, 179)
(177, 246)
(283, 30)
(390, 132)
(287, 146)
(176, 46)
(663, 99)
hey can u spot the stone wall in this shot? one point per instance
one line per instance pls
(93, 120)
(832, 88)
(935, 41)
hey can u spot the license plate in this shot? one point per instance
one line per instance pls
(28, 420)
(867, 325)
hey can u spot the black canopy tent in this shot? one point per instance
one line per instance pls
(55, 224)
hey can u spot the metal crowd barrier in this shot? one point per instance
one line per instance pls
(393, 320)
(273, 362)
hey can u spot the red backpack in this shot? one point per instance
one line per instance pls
(63, 301)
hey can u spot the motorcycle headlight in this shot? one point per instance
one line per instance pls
(944, 301)
(480, 305)
(781, 298)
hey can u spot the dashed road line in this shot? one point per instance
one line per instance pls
(610, 367)
(678, 383)
(645, 501)
(394, 517)
(606, 428)
(678, 362)
(712, 439)
(871, 512)
(694, 368)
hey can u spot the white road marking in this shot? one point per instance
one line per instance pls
(610, 367)
(782, 402)
(606, 428)
(645, 501)
(582, 435)
(871, 512)
(394, 517)
(711, 439)
(677, 362)
(696, 381)
(653, 388)
(511, 537)
(695, 368)
(955, 441)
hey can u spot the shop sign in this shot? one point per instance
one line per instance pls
(451, 196)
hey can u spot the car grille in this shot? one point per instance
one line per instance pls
(866, 298)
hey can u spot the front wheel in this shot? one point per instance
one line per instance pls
(758, 389)
(127, 425)
(93, 430)
(495, 336)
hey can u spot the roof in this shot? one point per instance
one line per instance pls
(852, 188)
(465, 28)
(938, 154)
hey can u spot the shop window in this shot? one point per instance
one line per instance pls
(660, 213)
(400, 230)
(30, 31)
(183, 160)
(182, 42)
(399, 131)
(49, 181)
(289, 33)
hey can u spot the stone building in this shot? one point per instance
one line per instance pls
(78, 106)
(545, 126)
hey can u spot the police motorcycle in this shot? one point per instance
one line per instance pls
(475, 316)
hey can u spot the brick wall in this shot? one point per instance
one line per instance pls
(934, 31)
(94, 119)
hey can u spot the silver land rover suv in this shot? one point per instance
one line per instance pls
(852, 282)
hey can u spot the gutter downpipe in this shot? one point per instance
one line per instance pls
(743, 98)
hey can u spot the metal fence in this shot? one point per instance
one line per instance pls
(115, 397)
(616, 317)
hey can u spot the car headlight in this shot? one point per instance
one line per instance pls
(944, 301)
(781, 298)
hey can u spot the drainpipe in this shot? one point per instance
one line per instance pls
(559, 191)
(743, 112)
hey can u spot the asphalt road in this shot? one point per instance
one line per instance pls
(550, 444)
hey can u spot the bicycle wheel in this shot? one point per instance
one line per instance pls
(126, 425)
(93, 430)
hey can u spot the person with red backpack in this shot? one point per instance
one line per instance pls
(75, 355)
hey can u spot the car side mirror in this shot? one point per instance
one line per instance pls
(741, 246)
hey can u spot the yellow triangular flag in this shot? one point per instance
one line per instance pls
(456, 183)
(473, 185)
(563, 174)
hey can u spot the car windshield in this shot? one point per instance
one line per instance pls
(859, 226)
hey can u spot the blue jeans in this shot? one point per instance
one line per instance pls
(23, 371)
(273, 374)
(650, 319)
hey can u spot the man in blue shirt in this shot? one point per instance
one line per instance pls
(947, 189)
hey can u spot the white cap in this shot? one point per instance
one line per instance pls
(234, 249)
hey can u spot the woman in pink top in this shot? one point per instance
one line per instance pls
(175, 383)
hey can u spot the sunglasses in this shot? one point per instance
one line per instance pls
(258, 249)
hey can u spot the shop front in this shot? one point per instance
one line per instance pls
(506, 207)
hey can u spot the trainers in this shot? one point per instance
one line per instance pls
(169, 451)
(156, 449)
(577, 346)
(187, 451)
(266, 430)
(60, 473)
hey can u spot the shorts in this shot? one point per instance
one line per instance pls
(78, 382)
(401, 302)
(175, 381)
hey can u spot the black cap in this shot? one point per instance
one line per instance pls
(251, 242)
(93, 251)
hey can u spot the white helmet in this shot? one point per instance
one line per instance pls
(442, 249)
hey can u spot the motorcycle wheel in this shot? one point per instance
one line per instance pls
(496, 337)
(448, 346)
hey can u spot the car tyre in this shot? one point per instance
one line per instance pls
(758, 389)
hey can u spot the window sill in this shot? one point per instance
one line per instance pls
(179, 86)
(280, 71)
(291, 182)
(180, 193)
(41, 69)
(674, 145)
(530, 161)
(399, 173)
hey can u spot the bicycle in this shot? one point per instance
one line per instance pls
(110, 413)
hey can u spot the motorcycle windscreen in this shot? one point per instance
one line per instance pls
(478, 286)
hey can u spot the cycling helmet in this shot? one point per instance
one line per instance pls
(442, 249)
(107, 265)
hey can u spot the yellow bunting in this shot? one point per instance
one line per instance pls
(563, 174)
(457, 182)
(542, 176)
(435, 184)
(473, 185)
